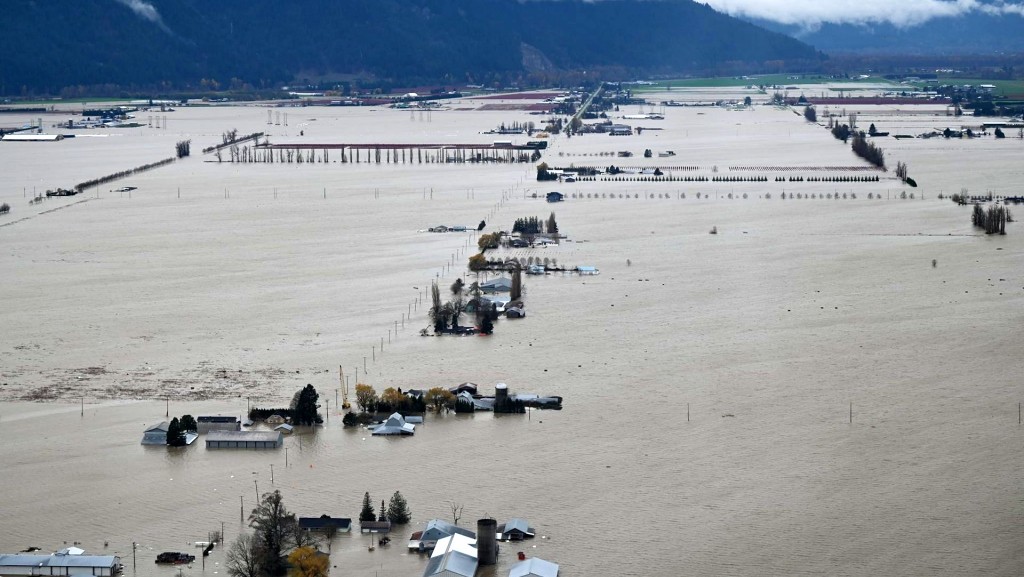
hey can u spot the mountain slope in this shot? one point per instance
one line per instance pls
(49, 45)
(974, 33)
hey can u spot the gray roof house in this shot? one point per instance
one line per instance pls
(395, 425)
(156, 435)
(435, 531)
(500, 284)
(534, 568)
(515, 530)
(325, 524)
(454, 556)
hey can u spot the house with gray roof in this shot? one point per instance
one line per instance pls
(395, 425)
(156, 435)
(434, 532)
(325, 524)
(515, 529)
(501, 284)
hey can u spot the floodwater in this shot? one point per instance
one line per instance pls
(709, 380)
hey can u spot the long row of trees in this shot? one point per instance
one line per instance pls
(868, 151)
(111, 177)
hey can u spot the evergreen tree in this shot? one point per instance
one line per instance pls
(304, 407)
(398, 510)
(188, 423)
(367, 514)
(552, 224)
(383, 512)
(175, 434)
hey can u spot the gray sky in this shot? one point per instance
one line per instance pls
(812, 13)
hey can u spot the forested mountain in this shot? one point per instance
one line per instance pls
(977, 33)
(49, 45)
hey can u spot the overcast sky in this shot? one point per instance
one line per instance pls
(903, 13)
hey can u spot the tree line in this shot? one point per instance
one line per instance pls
(303, 411)
(993, 220)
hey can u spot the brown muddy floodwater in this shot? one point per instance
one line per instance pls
(708, 379)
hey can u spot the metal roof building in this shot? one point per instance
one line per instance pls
(156, 435)
(500, 284)
(454, 556)
(435, 531)
(395, 425)
(103, 565)
(207, 423)
(32, 137)
(515, 529)
(325, 523)
(534, 568)
(244, 440)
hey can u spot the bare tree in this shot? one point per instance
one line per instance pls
(456, 511)
(244, 558)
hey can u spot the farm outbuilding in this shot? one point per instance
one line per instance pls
(155, 435)
(59, 564)
(534, 568)
(454, 556)
(218, 423)
(244, 440)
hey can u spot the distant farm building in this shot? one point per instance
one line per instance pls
(395, 425)
(555, 197)
(375, 526)
(155, 435)
(59, 564)
(434, 532)
(244, 440)
(325, 524)
(32, 137)
(515, 530)
(502, 284)
(218, 423)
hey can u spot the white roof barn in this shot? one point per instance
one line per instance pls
(454, 556)
(534, 568)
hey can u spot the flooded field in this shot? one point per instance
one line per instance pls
(709, 380)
